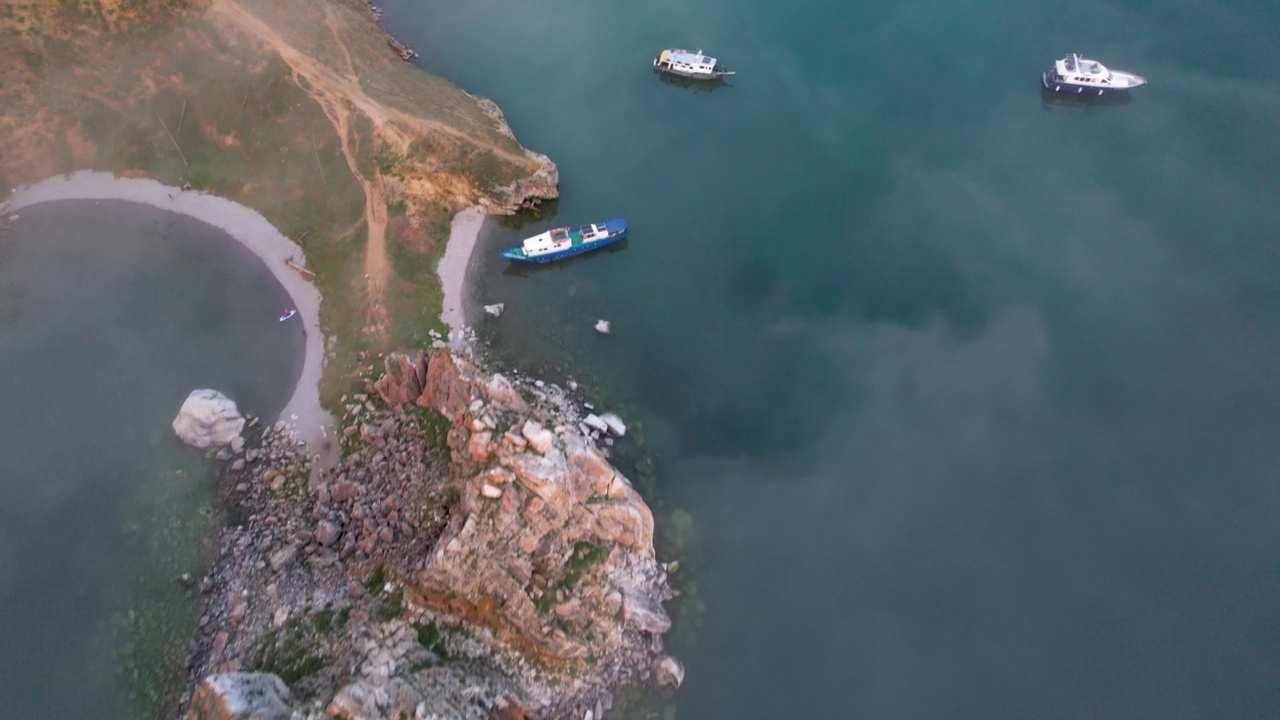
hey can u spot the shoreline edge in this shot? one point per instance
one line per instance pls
(303, 412)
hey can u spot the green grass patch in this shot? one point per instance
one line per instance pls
(323, 621)
(432, 638)
(387, 609)
(435, 429)
(585, 555)
(377, 578)
(289, 653)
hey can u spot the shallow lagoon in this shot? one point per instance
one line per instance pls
(110, 313)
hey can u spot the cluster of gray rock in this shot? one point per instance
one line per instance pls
(470, 518)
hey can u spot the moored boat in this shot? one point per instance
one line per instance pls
(1083, 76)
(562, 242)
(693, 65)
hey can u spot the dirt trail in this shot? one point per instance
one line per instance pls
(340, 94)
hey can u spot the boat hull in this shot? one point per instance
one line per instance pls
(510, 254)
(1057, 86)
(690, 76)
(618, 230)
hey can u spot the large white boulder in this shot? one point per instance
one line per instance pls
(594, 422)
(208, 419)
(614, 423)
(240, 696)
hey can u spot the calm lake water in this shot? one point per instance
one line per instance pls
(971, 396)
(110, 313)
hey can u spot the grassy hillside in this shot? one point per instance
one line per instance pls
(297, 108)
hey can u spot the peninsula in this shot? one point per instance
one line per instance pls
(466, 550)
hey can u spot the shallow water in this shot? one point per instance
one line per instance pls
(110, 313)
(970, 393)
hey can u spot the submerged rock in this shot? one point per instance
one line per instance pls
(604, 327)
(208, 419)
(495, 309)
(668, 671)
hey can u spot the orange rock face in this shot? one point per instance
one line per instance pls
(547, 536)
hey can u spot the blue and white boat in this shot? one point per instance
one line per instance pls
(1083, 76)
(562, 242)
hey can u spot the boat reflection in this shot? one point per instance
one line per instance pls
(1051, 100)
(516, 269)
(694, 85)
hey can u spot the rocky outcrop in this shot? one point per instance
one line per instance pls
(473, 555)
(404, 377)
(208, 419)
(240, 696)
(550, 547)
(542, 184)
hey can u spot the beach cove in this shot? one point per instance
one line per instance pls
(247, 228)
(110, 313)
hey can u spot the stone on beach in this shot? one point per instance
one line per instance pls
(240, 696)
(208, 419)
(593, 421)
(614, 423)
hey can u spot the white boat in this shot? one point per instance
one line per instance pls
(1083, 76)
(693, 65)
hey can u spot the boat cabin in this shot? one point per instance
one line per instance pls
(548, 242)
(593, 232)
(1075, 69)
(688, 62)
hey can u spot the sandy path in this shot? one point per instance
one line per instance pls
(303, 412)
(452, 269)
(340, 94)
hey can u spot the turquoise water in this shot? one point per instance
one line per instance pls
(110, 313)
(972, 396)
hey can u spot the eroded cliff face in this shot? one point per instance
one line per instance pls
(474, 555)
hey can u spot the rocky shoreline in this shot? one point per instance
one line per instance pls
(472, 555)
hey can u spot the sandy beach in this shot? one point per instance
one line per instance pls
(463, 234)
(303, 412)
